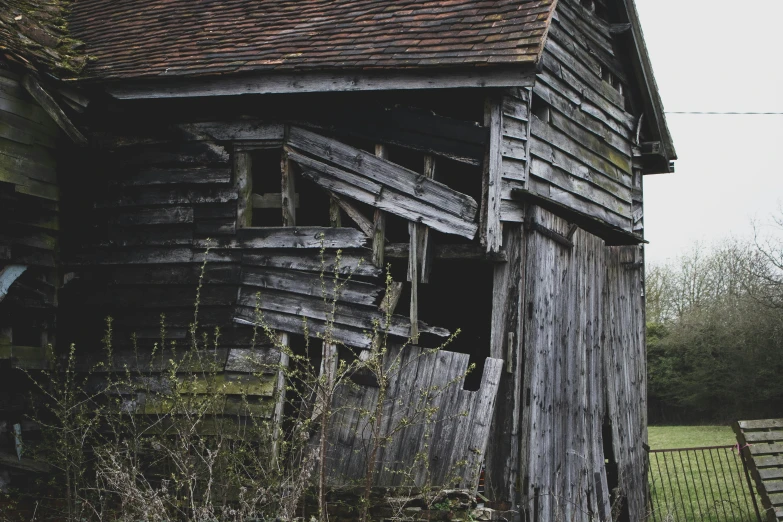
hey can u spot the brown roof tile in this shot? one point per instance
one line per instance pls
(166, 38)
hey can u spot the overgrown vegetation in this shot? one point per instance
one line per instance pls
(180, 450)
(715, 333)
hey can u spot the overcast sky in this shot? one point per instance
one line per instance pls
(715, 55)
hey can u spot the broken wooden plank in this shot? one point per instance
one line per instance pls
(242, 130)
(364, 224)
(45, 100)
(384, 172)
(8, 275)
(393, 202)
(493, 235)
(401, 251)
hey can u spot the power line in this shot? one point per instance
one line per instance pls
(716, 113)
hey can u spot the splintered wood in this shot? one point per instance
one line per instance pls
(386, 186)
(431, 430)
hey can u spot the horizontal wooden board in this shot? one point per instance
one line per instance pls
(764, 436)
(578, 186)
(351, 315)
(355, 263)
(247, 130)
(761, 424)
(301, 238)
(313, 284)
(766, 449)
(175, 176)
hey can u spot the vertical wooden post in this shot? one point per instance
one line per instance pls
(424, 248)
(413, 277)
(328, 374)
(335, 221)
(288, 189)
(492, 231)
(280, 399)
(243, 184)
(379, 223)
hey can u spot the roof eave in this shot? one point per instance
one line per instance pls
(516, 75)
(652, 98)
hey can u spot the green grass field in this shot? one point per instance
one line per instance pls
(695, 486)
(669, 437)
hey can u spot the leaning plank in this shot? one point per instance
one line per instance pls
(364, 224)
(45, 100)
(384, 172)
(393, 202)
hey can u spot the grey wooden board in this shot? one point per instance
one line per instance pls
(323, 286)
(625, 369)
(326, 82)
(356, 263)
(346, 314)
(502, 461)
(421, 379)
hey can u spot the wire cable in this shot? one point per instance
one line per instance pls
(716, 113)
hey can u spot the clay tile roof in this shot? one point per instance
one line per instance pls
(34, 35)
(162, 38)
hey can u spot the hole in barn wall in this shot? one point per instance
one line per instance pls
(459, 296)
(613, 472)
(540, 108)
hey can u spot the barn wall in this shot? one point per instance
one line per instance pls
(29, 220)
(29, 254)
(625, 359)
(562, 462)
(583, 388)
(162, 194)
(581, 130)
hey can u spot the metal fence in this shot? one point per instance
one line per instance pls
(708, 484)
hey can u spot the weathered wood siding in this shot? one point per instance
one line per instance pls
(29, 223)
(625, 363)
(581, 361)
(581, 134)
(562, 463)
(515, 143)
(437, 432)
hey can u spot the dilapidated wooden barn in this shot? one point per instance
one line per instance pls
(491, 152)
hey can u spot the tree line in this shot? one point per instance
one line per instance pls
(715, 332)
